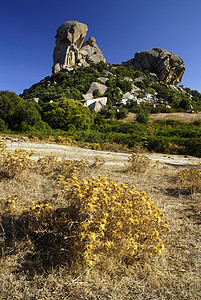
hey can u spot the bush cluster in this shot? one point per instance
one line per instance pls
(13, 163)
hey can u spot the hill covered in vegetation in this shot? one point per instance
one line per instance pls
(54, 107)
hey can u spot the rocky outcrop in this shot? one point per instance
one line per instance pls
(90, 52)
(168, 66)
(71, 51)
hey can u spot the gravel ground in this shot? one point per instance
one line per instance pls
(111, 158)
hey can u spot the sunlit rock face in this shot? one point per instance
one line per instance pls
(168, 66)
(69, 39)
(69, 51)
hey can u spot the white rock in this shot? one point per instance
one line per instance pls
(95, 104)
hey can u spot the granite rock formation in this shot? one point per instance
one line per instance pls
(168, 66)
(70, 49)
(90, 52)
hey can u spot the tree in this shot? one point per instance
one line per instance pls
(17, 113)
(60, 114)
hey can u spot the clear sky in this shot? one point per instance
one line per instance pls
(121, 28)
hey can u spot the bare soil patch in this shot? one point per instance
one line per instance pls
(111, 158)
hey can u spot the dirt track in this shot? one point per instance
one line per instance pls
(111, 158)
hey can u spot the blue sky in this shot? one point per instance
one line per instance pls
(121, 28)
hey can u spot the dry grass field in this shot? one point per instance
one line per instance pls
(41, 252)
(177, 116)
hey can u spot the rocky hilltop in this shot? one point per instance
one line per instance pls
(70, 49)
(150, 78)
(168, 66)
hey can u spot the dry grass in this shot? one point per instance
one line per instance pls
(178, 116)
(26, 271)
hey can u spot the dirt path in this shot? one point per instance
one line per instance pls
(111, 158)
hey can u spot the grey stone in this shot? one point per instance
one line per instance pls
(103, 79)
(70, 37)
(154, 76)
(106, 72)
(168, 66)
(141, 78)
(128, 96)
(94, 86)
(90, 52)
(127, 78)
(70, 49)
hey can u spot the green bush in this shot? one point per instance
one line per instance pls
(64, 112)
(121, 113)
(142, 116)
(16, 113)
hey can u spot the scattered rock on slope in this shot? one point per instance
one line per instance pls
(168, 66)
(94, 86)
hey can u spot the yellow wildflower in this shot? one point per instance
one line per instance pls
(90, 246)
(108, 243)
(103, 221)
(93, 236)
(102, 226)
(82, 235)
(90, 205)
(119, 224)
(90, 262)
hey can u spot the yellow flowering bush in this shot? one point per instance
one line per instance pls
(84, 220)
(111, 219)
(13, 163)
(191, 178)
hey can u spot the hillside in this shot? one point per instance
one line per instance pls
(86, 98)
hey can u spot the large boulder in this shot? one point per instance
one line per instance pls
(94, 86)
(70, 49)
(168, 66)
(69, 39)
(90, 52)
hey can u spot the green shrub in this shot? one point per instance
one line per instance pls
(121, 113)
(64, 112)
(16, 113)
(142, 116)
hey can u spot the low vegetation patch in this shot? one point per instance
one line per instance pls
(139, 163)
(75, 229)
(191, 178)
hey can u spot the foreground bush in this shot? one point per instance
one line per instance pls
(85, 221)
(94, 220)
